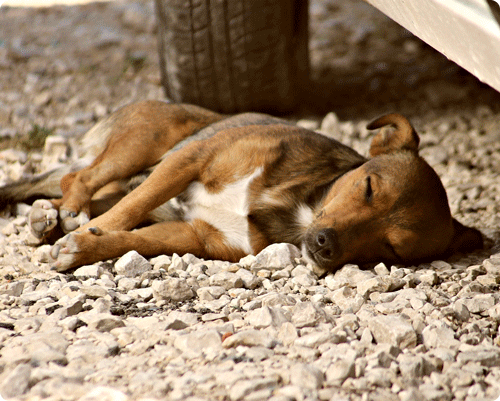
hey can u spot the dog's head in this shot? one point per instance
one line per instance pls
(392, 208)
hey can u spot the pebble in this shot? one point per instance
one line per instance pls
(89, 271)
(174, 289)
(276, 257)
(393, 330)
(132, 265)
(266, 316)
(249, 338)
(306, 376)
(433, 336)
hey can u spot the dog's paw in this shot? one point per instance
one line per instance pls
(76, 249)
(70, 221)
(42, 218)
(64, 252)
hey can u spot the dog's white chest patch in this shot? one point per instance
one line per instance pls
(226, 210)
(304, 216)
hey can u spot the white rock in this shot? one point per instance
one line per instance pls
(375, 284)
(16, 382)
(14, 288)
(461, 311)
(315, 339)
(266, 316)
(177, 264)
(249, 280)
(226, 280)
(479, 303)
(411, 366)
(101, 393)
(287, 333)
(347, 299)
(334, 284)
(56, 150)
(128, 283)
(141, 293)
(70, 323)
(381, 269)
(161, 262)
(89, 271)
(190, 259)
(132, 265)
(174, 289)
(245, 389)
(196, 269)
(102, 322)
(308, 124)
(485, 356)
(429, 277)
(352, 275)
(74, 305)
(340, 370)
(210, 293)
(307, 314)
(330, 125)
(304, 280)
(306, 376)
(249, 338)
(94, 291)
(393, 330)
(177, 320)
(276, 257)
(247, 261)
(193, 344)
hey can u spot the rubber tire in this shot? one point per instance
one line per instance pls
(234, 55)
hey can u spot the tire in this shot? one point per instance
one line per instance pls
(234, 55)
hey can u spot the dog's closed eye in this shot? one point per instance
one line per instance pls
(369, 189)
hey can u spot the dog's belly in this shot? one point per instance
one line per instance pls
(226, 210)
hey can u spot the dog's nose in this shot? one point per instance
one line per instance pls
(326, 243)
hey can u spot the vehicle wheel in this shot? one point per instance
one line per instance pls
(234, 55)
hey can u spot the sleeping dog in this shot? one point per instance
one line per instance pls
(168, 178)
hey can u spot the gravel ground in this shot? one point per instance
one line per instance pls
(179, 328)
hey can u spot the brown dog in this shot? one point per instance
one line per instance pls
(240, 184)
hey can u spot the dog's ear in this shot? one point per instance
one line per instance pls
(465, 239)
(401, 136)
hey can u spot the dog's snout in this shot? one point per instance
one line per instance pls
(326, 243)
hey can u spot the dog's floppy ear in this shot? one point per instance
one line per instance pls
(401, 136)
(465, 239)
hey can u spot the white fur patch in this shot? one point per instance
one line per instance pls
(304, 216)
(226, 210)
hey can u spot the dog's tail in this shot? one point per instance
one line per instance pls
(45, 185)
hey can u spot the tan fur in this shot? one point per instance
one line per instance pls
(262, 180)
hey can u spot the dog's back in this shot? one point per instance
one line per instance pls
(95, 140)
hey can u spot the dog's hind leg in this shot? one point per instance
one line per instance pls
(138, 137)
(43, 218)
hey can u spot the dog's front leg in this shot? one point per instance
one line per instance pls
(106, 236)
(169, 179)
(93, 244)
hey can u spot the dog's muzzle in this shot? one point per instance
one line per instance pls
(323, 247)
